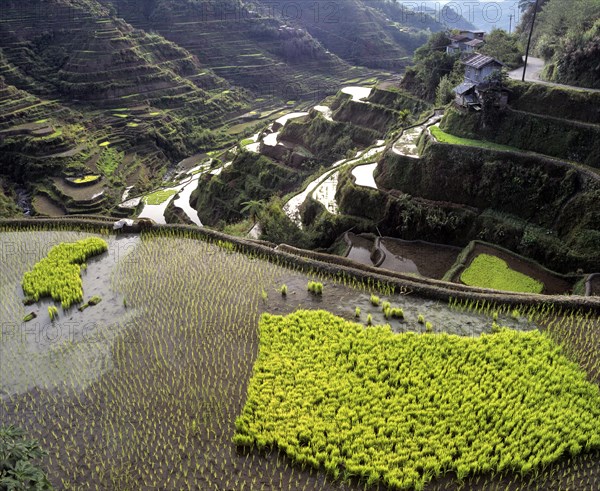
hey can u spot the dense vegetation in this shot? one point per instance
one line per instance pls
(405, 408)
(58, 275)
(432, 64)
(504, 47)
(492, 272)
(567, 35)
(17, 457)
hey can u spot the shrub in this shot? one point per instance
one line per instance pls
(16, 456)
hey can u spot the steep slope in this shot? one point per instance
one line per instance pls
(289, 50)
(250, 48)
(75, 81)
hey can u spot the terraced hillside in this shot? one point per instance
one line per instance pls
(74, 82)
(525, 188)
(289, 50)
(253, 49)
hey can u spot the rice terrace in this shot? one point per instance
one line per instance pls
(347, 245)
(163, 389)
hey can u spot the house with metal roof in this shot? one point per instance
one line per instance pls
(465, 42)
(478, 69)
(465, 94)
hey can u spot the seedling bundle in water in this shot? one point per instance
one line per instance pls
(58, 275)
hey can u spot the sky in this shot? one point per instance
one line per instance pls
(484, 14)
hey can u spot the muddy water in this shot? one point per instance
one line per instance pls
(341, 300)
(325, 111)
(424, 258)
(402, 256)
(183, 201)
(75, 349)
(360, 250)
(324, 193)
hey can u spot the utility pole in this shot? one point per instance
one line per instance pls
(510, 18)
(529, 40)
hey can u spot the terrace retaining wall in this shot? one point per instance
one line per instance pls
(310, 261)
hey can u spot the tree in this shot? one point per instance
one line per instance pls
(254, 208)
(443, 93)
(504, 47)
(16, 470)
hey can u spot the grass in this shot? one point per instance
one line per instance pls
(488, 271)
(401, 409)
(443, 137)
(159, 197)
(109, 161)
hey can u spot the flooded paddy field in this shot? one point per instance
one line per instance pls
(151, 400)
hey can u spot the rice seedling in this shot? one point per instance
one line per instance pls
(163, 415)
(58, 275)
(376, 445)
(52, 312)
(375, 300)
(428, 327)
(95, 300)
(314, 287)
(421, 319)
(357, 312)
(283, 290)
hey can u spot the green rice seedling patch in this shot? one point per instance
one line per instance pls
(488, 271)
(402, 409)
(159, 197)
(58, 275)
(86, 179)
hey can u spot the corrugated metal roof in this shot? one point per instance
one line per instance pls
(475, 42)
(464, 88)
(458, 38)
(479, 61)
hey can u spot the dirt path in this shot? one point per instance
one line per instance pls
(533, 72)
